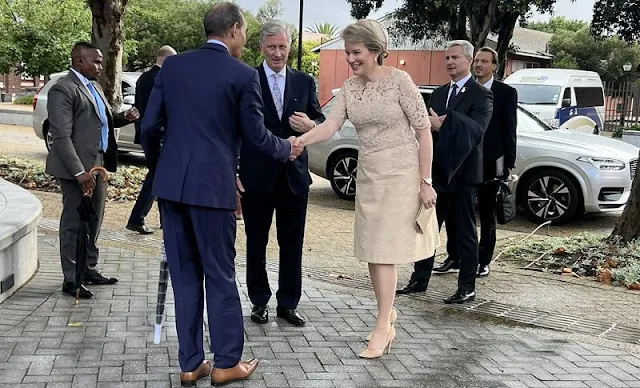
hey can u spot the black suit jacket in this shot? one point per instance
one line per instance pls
(476, 102)
(500, 138)
(144, 86)
(257, 172)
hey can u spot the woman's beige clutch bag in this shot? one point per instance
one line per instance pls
(424, 221)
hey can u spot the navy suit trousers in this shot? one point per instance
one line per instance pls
(200, 246)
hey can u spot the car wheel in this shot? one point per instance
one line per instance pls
(48, 139)
(342, 172)
(549, 195)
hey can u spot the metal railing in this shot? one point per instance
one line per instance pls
(622, 105)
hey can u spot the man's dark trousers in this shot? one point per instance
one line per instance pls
(144, 202)
(291, 212)
(456, 205)
(70, 222)
(487, 195)
(194, 256)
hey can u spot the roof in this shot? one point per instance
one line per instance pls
(525, 42)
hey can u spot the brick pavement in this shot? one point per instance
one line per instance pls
(107, 342)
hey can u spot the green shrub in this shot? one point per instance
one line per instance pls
(24, 100)
(29, 174)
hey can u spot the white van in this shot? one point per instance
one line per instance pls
(563, 98)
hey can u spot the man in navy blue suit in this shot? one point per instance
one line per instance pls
(207, 101)
(291, 108)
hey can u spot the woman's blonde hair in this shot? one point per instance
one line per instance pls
(371, 33)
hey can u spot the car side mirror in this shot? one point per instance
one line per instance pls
(566, 102)
(129, 100)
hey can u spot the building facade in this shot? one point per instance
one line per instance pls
(424, 60)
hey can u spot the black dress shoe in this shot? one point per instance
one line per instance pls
(260, 314)
(412, 287)
(142, 229)
(449, 265)
(483, 270)
(461, 297)
(291, 315)
(70, 289)
(95, 277)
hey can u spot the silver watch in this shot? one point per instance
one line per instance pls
(427, 181)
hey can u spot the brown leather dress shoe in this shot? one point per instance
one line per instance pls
(188, 379)
(241, 371)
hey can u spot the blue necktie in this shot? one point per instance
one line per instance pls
(104, 138)
(453, 95)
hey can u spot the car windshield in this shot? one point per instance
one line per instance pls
(537, 94)
(528, 122)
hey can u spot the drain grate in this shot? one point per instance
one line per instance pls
(516, 314)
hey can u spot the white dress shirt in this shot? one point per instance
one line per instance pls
(460, 84)
(216, 41)
(281, 80)
(489, 84)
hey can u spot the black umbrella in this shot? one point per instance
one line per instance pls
(162, 294)
(87, 215)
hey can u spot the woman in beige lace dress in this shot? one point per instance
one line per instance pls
(394, 169)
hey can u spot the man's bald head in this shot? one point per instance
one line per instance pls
(86, 58)
(163, 52)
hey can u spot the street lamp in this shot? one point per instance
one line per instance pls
(300, 35)
(623, 112)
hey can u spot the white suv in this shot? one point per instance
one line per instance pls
(125, 135)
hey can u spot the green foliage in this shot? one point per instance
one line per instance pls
(324, 29)
(556, 24)
(29, 174)
(36, 36)
(580, 50)
(24, 100)
(271, 9)
(150, 24)
(472, 20)
(621, 17)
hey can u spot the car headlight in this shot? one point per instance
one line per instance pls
(603, 163)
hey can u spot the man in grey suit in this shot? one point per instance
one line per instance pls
(81, 123)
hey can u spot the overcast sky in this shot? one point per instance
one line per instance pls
(336, 12)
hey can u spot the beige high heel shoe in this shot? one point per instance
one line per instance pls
(377, 353)
(392, 319)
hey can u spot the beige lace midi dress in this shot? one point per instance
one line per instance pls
(385, 113)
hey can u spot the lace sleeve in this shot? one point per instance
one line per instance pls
(413, 104)
(338, 111)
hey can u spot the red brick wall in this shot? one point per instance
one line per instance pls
(425, 67)
(12, 83)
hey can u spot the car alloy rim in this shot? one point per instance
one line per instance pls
(344, 175)
(49, 140)
(548, 198)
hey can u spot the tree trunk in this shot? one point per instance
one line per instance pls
(505, 33)
(107, 34)
(628, 226)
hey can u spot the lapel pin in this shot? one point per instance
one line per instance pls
(463, 89)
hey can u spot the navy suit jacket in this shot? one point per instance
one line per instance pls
(144, 86)
(476, 102)
(500, 139)
(257, 172)
(203, 103)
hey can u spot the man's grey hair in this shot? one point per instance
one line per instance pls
(467, 47)
(273, 28)
(221, 17)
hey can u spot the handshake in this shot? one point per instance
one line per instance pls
(297, 147)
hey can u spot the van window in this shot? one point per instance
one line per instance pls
(588, 97)
(537, 94)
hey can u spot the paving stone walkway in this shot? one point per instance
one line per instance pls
(47, 342)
